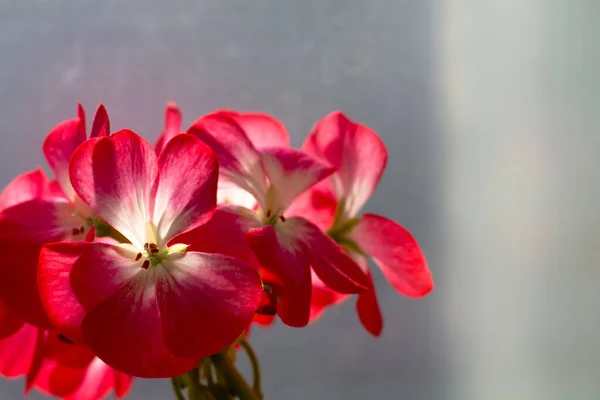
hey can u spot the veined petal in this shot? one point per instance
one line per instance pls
(24, 187)
(239, 161)
(114, 176)
(396, 252)
(287, 271)
(101, 124)
(206, 301)
(356, 151)
(75, 277)
(292, 172)
(224, 234)
(186, 195)
(331, 264)
(172, 126)
(262, 129)
(126, 330)
(60, 144)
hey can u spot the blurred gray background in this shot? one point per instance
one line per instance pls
(490, 114)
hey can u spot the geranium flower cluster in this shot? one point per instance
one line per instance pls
(135, 260)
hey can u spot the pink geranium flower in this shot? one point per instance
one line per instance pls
(360, 157)
(254, 157)
(149, 307)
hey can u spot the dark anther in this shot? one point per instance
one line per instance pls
(268, 213)
(146, 264)
(75, 231)
(81, 230)
(64, 339)
(146, 246)
(282, 218)
(139, 255)
(154, 250)
(268, 303)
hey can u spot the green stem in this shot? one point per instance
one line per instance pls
(208, 373)
(177, 388)
(234, 379)
(193, 386)
(256, 380)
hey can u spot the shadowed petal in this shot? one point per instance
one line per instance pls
(239, 161)
(331, 264)
(292, 172)
(287, 270)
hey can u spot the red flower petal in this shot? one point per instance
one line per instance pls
(24, 187)
(356, 151)
(10, 322)
(186, 194)
(172, 126)
(115, 175)
(205, 302)
(16, 351)
(126, 330)
(289, 268)
(368, 309)
(315, 205)
(74, 277)
(396, 252)
(24, 228)
(331, 264)
(224, 234)
(101, 124)
(262, 129)
(292, 172)
(239, 161)
(122, 383)
(60, 144)
(322, 298)
(18, 287)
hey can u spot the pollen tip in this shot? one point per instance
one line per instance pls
(146, 264)
(139, 255)
(282, 218)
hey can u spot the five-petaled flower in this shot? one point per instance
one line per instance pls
(149, 307)
(360, 157)
(286, 247)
